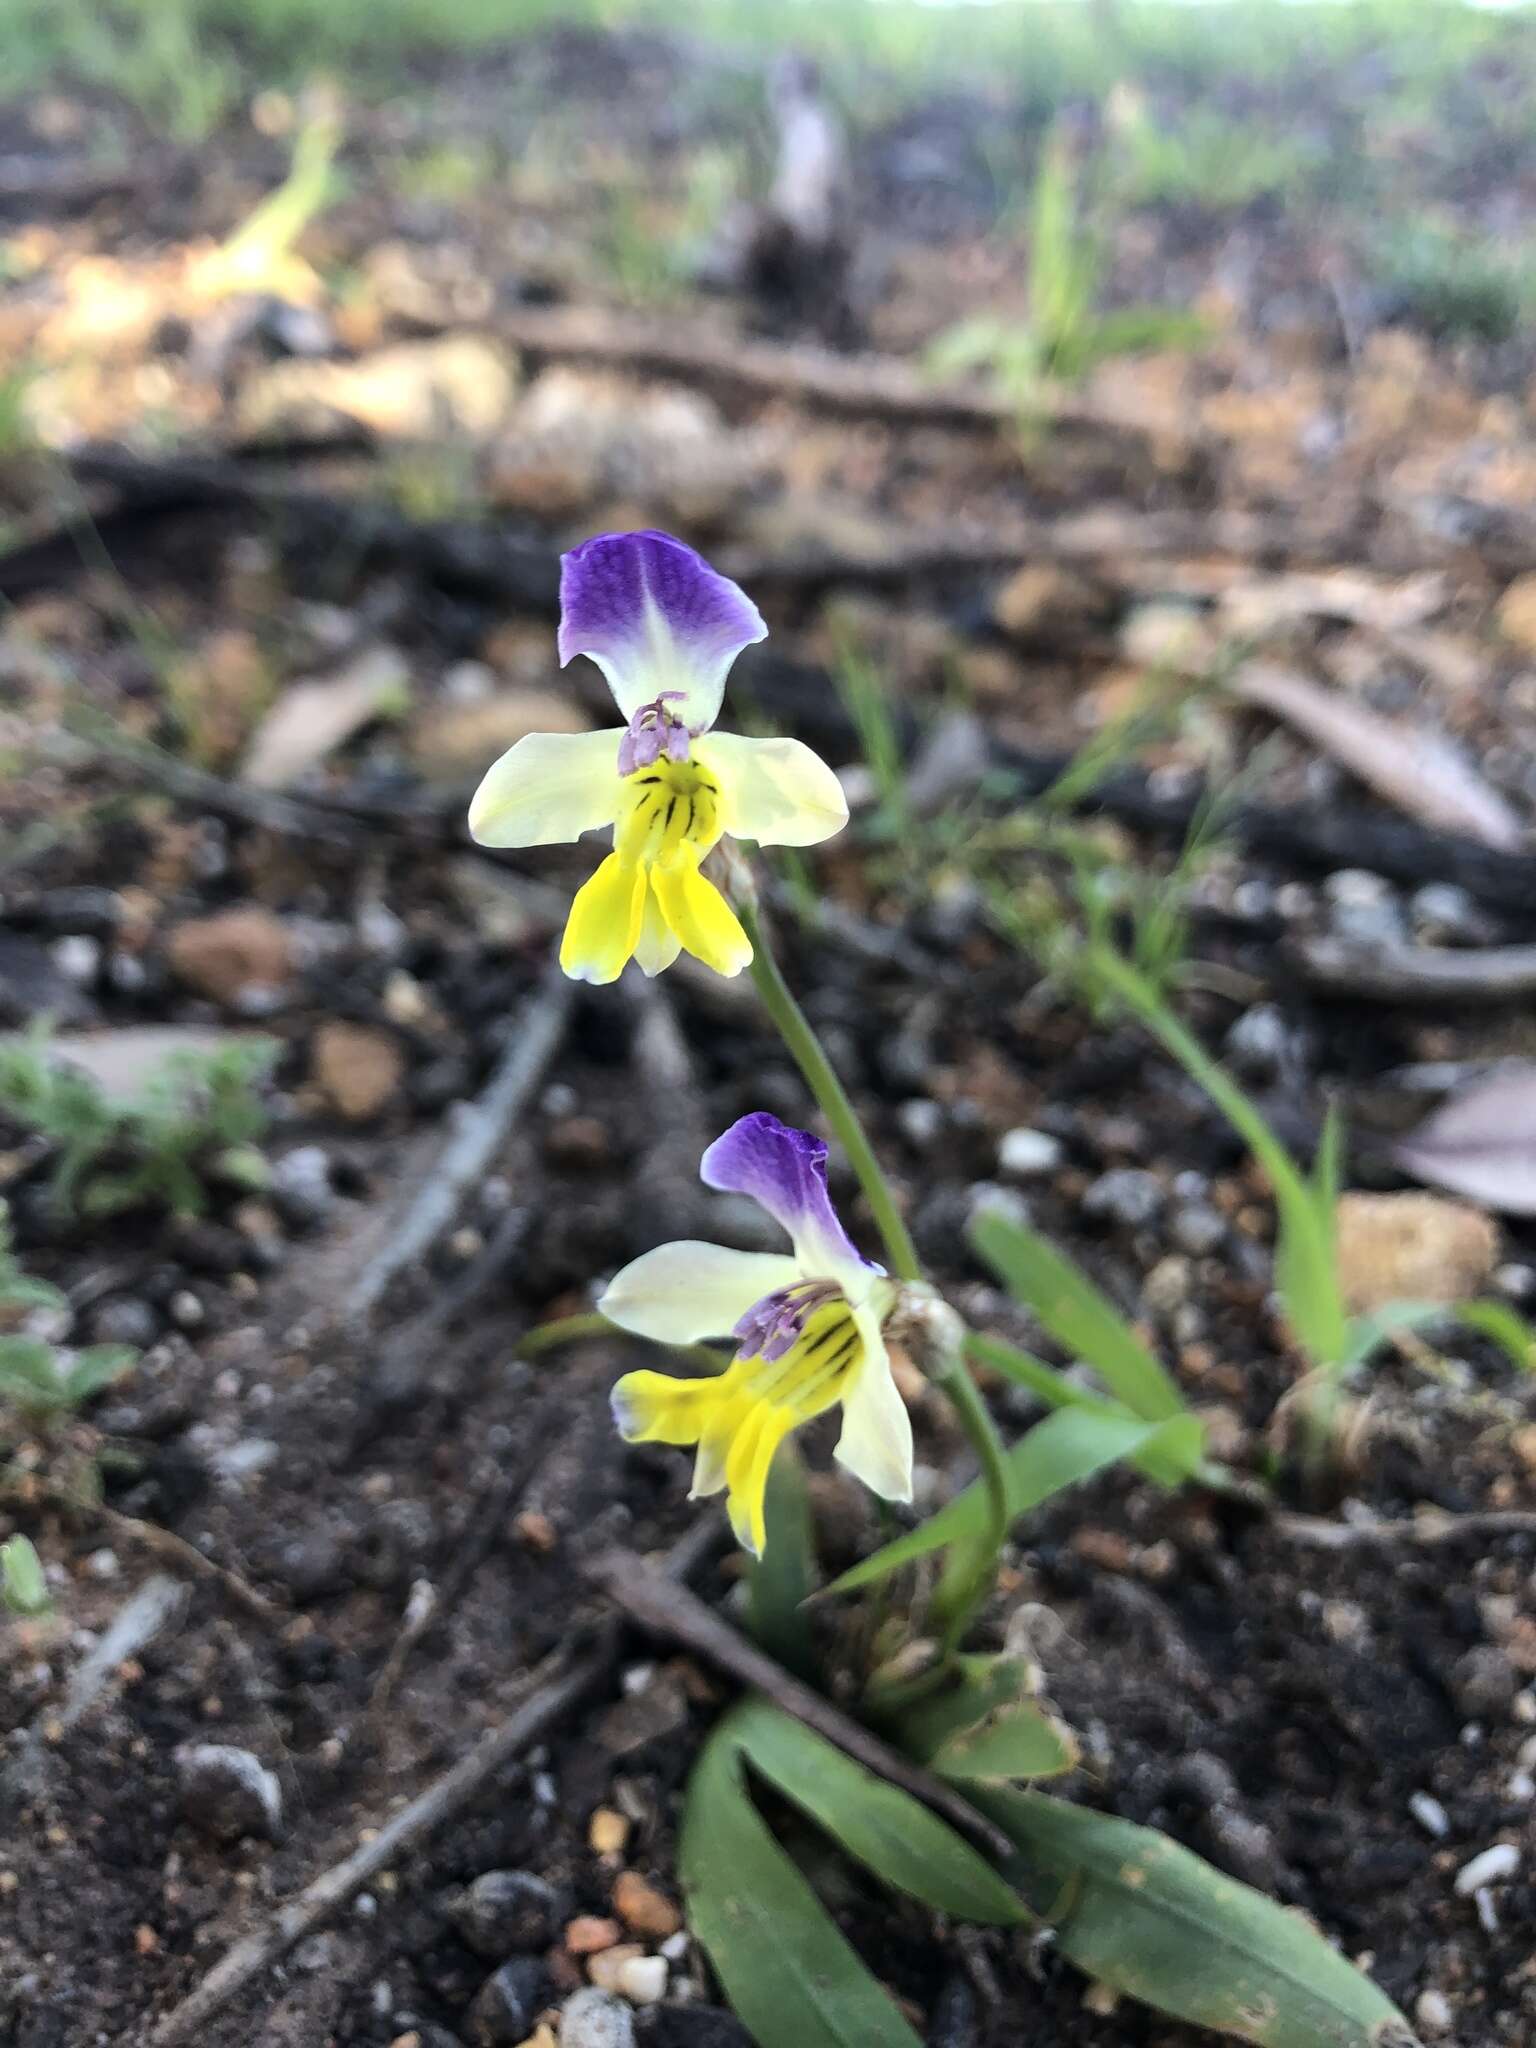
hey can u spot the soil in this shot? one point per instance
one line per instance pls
(1281, 1706)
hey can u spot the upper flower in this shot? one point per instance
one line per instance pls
(664, 629)
(807, 1327)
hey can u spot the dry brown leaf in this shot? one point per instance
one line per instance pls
(313, 718)
(1482, 1142)
(1386, 605)
(1422, 774)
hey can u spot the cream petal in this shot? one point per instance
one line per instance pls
(776, 791)
(550, 787)
(658, 945)
(689, 1290)
(876, 1443)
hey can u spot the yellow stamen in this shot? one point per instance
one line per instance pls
(739, 1419)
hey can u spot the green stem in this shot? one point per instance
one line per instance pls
(795, 1030)
(970, 1576)
(574, 1329)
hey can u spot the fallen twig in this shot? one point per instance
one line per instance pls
(661, 1605)
(482, 1126)
(34, 1490)
(1326, 1534)
(1419, 974)
(557, 1685)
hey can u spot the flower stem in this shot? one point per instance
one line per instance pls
(795, 1030)
(972, 1569)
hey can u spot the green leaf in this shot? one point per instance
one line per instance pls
(1066, 1447)
(1057, 1391)
(97, 1366)
(1145, 1916)
(985, 1727)
(23, 1588)
(21, 1291)
(1075, 1313)
(895, 1837)
(1497, 1321)
(1306, 1261)
(28, 1375)
(781, 1581)
(785, 1967)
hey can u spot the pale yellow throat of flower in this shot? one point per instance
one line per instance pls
(648, 897)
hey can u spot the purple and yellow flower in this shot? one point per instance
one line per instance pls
(664, 629)
(807, 1326)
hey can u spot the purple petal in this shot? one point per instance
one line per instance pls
(785, 1171)
(654, 617)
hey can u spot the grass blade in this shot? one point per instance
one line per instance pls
(1075, 1313)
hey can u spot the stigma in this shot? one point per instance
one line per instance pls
(653, 732)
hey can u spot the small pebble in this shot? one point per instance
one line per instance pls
(1430, 1814)
(988, 1198)
(507, 2004)
(186, 1311)
(227, 1792)
(1492, 1866)
(607, 1966)
(1432, 2012)
(1515, 1283)
(588, 1933)
(1259, 1041)
(1126, 1195)
(77, 958)
(1484, 1683)
(920, 1122)
(1166, 1287)
(506, 1911)
(643, 1980)
(643, 1908)
(596, 2019)
(607, 1832)
(1443, 914)
(1026, 1154)
(301, 1186)
(1197, 1229)
(124, 1319)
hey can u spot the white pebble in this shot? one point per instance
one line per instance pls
(643, 1979)
(1430, 1814)
(1487, 1911)
(675, 1947)
(1024, 1154)
(1432, 2012)
(596, 2019)
(1521, 1786)
(1492, 1866)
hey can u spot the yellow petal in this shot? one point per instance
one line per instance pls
(774, 791)
(700, 917)
(550, 787)
(746, 1472)
(604, 925)
(658, 944)
(654, 1408)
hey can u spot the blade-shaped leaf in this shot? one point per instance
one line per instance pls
(1075, 1312)
(1066, 1447)
(1306, 1264)
(1503, 1326)
(895, 1837)
(23, 1586)
(985, 1727)
(1057, 1391)
(785, 1967)
(21, 1291)
(1144, 1915)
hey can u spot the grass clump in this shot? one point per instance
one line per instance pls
(195, 1123)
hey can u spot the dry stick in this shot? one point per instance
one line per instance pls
(1419, 974)
(1325, 1534)
(163, 1544)
(667, 1608)
(557, 1685)
(468, 1153)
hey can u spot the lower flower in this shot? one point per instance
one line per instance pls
(807, 1327)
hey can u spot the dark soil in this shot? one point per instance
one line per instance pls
(1274, 1703)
